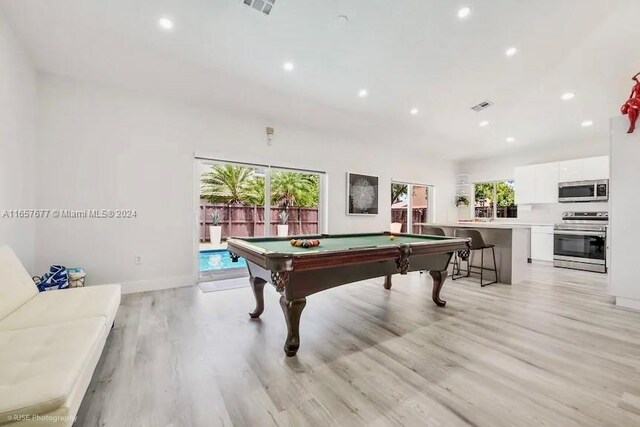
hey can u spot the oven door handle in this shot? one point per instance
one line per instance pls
(581, 233)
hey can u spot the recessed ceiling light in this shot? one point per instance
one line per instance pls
(341, 21)
(464, 12)
(483, 123)
(363, 93)
(511, 51)
(510, 139)
(414, 111)
(567, 96)
(587, 123)
(288, 66)
(165, 23)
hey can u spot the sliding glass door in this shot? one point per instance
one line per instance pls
(231, 203)
(295, 202)
(245, 200)
(399, 207)
(419, 207)
(410, 207)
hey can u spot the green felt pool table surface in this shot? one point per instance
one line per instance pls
(340, 242)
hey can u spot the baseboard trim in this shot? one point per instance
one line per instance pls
(541, 262)
(631, 303)
(158, 284)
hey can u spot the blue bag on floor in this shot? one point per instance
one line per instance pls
(56, 278)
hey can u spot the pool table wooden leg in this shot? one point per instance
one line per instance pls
(438, 280)
(387, 282)
(257, 285)
(292, 311)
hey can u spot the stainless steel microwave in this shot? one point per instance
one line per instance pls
(583, 191)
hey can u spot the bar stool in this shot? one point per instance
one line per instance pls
(477, 244)
(432, 231)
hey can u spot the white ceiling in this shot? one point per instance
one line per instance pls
(409, 53)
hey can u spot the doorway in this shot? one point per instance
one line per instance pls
(250, 200)
(412, 206)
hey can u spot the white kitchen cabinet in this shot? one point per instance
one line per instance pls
(525, 185)
(596, 168)
(542, 243)
(571, 170)
(546, 184)
(536, 184)
(539, 183)
(587, 169)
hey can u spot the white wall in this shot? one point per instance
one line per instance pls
(122, 149)
(625, 204)
(17, 142)
(503, 167)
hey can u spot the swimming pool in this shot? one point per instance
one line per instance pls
(219, 259)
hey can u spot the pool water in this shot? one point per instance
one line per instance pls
(219, 260)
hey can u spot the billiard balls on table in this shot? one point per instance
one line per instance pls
(392, 237)
(304, 243)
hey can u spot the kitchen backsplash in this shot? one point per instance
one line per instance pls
(552, 213)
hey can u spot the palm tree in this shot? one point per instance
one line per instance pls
(255, 191)
(228, 184)
(294, 189)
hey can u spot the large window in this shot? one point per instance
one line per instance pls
(295, 203)
(411, 211)
(495, 199)
(245, 200)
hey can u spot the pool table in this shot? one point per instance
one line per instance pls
(298, 272)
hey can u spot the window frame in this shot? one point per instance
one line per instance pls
(431, 200)
(494, 211)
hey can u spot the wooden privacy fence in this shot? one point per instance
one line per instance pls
(400, 215)
(248, 220)
(501, 211)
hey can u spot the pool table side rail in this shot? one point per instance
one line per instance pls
(315, 259)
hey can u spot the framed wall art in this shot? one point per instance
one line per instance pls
(362, 194)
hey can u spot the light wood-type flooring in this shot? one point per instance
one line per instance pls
(553, 351)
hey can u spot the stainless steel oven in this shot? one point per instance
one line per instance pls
(580, 242)
(583, 191)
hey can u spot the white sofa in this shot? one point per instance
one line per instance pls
(50, 344)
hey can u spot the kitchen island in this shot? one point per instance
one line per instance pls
(512, 241)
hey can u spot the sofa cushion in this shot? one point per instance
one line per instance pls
(16, 286)
(65, 305)
(39, 366)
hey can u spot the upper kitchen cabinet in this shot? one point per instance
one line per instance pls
(596, 167)
(536, 184)
(547, 183)
(539, 183)
(591, 168)
(571, 170)
(525, 185)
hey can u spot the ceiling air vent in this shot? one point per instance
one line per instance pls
(263, 6)
(482, 106)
